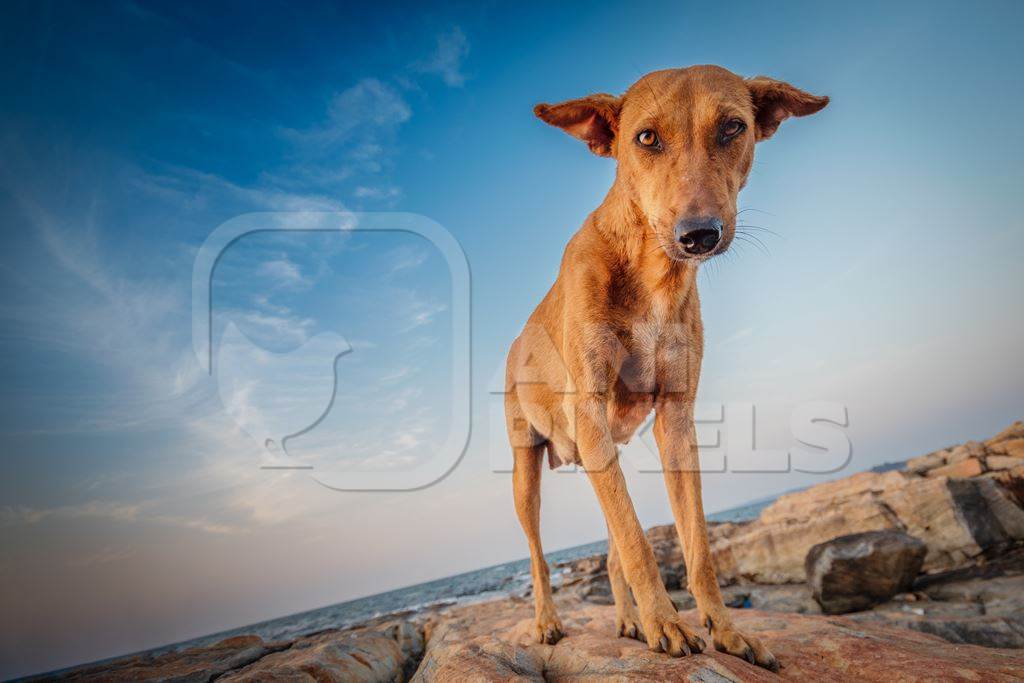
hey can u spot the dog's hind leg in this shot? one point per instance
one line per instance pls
(627, 618)
(526, 491)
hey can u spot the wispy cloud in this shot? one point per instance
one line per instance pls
(191, 190)
(422, 313)
(385, 192)
(367, 107)
(111, 511)
(406, 258)
(446, 61)
(11, 515)
(283, 272)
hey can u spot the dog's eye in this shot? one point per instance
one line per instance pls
(648, 138)
(731, 129)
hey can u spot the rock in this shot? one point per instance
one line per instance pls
(971, 449)
(388, 654)
(1014, 431)
(912, 603)
(1011, 482)
(597, 590)
(998, 596)
(184, 666)
(669, 554)
(795, 598)
(969, 467)
(930, 461)
(854, 572)
(983, 608)
(590, 565)
(958, 519)
(986, 631)
(683, 599)
(1012, 447)
(1003, 462)
(492, 643)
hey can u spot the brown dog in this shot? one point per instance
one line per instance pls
(620, 334)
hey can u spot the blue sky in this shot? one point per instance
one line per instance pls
(133, 509)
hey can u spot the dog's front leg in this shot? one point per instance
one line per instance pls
(662, 625)
(677, 444)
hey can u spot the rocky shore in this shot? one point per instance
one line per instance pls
(911, 575)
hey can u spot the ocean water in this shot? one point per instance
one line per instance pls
(501, 580)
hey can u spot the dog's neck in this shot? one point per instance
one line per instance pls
(635, 249)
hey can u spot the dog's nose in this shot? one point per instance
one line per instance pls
(699, 235)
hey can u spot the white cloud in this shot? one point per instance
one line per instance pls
(368, 107)
(284, 273)
(446, 60)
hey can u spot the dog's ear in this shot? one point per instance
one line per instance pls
(775, 101)
(593, 119)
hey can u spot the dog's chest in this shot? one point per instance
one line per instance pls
(637, 382)
(645, 338)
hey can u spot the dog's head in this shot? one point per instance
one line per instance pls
(684, 142)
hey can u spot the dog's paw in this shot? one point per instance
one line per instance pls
(627, 625)
(667, 633)
(727, 639)
(548, 629)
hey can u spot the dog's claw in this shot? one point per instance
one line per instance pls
(628, 626)
(549, 630)
(749, 648)
(674, 637)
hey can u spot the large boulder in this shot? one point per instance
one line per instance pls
(493, 642)
(856, 571)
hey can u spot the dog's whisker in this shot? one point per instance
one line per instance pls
(742, 227)
(757, 227)
(750, 208)
(760, 245)
(752, 239)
